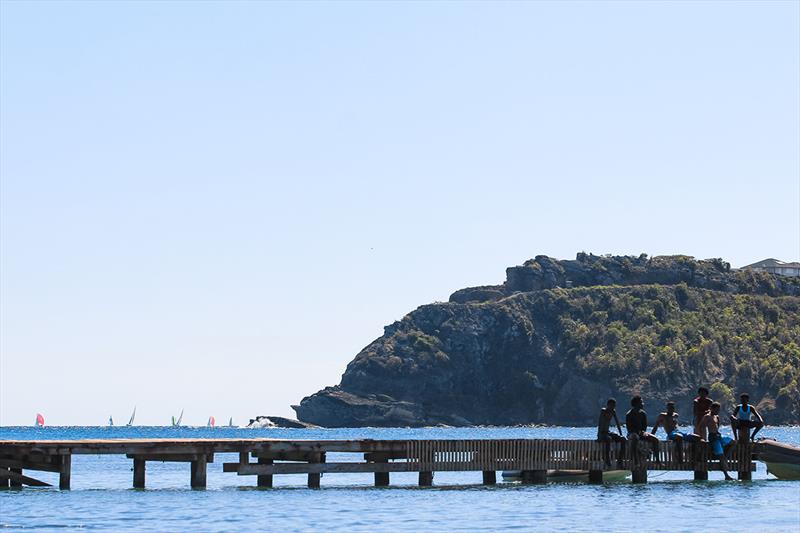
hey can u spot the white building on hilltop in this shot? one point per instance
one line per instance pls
(776, 266)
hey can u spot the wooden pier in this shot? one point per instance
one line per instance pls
(265, 458)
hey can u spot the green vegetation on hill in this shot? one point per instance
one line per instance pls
(559, 337)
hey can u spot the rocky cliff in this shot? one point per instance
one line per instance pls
(557, 338)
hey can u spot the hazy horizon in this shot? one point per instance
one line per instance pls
(216, 206)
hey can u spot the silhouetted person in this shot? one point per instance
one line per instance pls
(719, 444)
(669, 421)
(743, 419)
(636, 423)
(604, 433)
(702, 404)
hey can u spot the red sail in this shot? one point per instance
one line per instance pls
(39, 419)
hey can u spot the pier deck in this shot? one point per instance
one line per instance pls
(266, 458)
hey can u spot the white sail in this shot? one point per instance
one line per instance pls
(133, 415)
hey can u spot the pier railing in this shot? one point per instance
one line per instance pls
(266, 458)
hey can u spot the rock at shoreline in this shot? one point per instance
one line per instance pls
(262, 421)
(554, 341)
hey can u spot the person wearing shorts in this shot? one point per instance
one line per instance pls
(719, 444)
(669, 421)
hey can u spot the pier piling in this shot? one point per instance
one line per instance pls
(198, 472)
(425, 479)
(596, 477)
(264, 480)
(65, 472)
(138, 473)
(489, 477)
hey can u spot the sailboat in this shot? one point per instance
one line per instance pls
(110, 420)
(133, 415)
(230, 422)
(211, 422)
(177, 422)
(39, 420)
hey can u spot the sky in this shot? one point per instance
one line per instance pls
(214, 206)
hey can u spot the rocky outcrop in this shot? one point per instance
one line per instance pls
(558, 338)
(262, 421)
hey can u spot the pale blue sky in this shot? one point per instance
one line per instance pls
(215, 206)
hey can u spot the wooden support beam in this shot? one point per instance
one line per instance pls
(29, 465)
(639, 475)
(264, 480)
(138, 472)
(700, 475)
(172, 457)
(596, 477)
(253, 469)
(65, 472)
(425, 479)
(489, 477)
(198, 473)
(10, 478)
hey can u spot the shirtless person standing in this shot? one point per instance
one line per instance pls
(719, 444)
(604, 433)
(669, 420)
(702, 404)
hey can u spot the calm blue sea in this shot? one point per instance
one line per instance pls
(102, 498)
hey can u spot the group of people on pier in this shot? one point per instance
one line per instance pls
(705, 419)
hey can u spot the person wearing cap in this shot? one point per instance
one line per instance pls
(669, 421)
(745, 417)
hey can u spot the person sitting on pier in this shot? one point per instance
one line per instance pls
(719, 444)
(605, 435)
(702, 405)
(742, 420)
(636, 423)
(669, 420)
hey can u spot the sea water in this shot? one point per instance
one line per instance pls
(102, 499)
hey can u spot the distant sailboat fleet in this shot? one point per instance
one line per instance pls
(175, 422)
